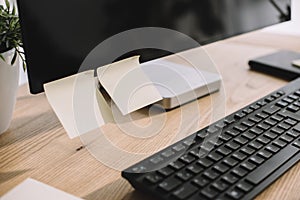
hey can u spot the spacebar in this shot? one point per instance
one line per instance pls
(272, 164)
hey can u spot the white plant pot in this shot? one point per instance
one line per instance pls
(9, 78)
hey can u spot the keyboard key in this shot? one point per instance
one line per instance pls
(169, 184)
(230, 178)
(291, 115)
(277, 118)
(211, 174)
(280, 92)
(214, 156)
(233, 132)
(212, 129)
(297, 128)
(232, 145)
(270, 122)
(184, 175)
(210, 192)
(177, 165)
(297, 144)
(293, 108)
(256, 160)
(249, 124)
(229, 120)
(270, 135)
(239, 115)
(205, 162)
(293, 133)
(284, 126)
(221, 168)
(269, 99)
(256, 131)
(230, 162)
(166, 171)
(282, 104)
(248, 135)
(279, 143)
(240, 128)
(270, 110)
(185, 191)
(263, 140)
(271, 148)
(224, 137)
(241, 140)
(290, 122)
(264, 154)
(223, 151)
(255, 119)
(179, 147)
(288, 100)
(200, 181)
(246, 187)
(156, 159)
(261, 103)
(187, 159)
(220, 125)
(168, 153)
(262, 115)
(197, 153)
(220, 185)
(248, 166)
(195, 168)
(239, 156)
(286, 138)
(153, 178)
(235, 193)
(255, 145)
(271, 165)
(248, 110)
(263, 126)
(297, 93)
(276, 95)
(294, 97)
(255, 107)
(189, 141)
(239, 171)
(277, 130)
(247, 150)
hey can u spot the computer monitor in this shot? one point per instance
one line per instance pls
(58, 35)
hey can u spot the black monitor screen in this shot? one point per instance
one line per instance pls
(58, 34)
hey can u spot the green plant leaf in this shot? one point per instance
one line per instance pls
(13, 60)
(7, 4)
(1, 56)
(10, 31)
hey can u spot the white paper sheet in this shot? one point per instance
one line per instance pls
(77, 103)
(127, 84)
(34, 190)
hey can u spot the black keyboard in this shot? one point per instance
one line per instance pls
(234, 158)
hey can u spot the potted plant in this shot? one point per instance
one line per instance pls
(10, 53)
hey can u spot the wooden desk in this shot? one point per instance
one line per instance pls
(37, 146)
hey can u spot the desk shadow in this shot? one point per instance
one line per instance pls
(6, 176)
(119, 189)
(25, 127)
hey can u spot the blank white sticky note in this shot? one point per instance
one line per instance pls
(75, 101)
(34, 190)
(127, 84)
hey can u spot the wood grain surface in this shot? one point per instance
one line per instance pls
(37, 146)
